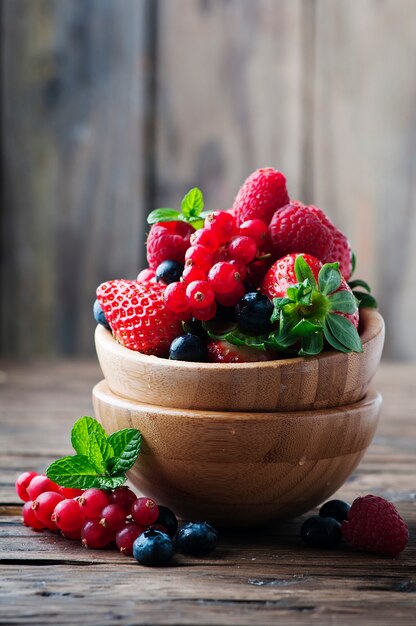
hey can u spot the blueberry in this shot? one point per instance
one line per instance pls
(169, 272)
(253, 312)
(153, 548)
(336, 509)
(99, 315)
(195, 327)
(196, 538)
(321, 532)
(188, 348)
(167, 519)
(226, 313)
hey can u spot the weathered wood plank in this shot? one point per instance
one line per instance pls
(72, 125)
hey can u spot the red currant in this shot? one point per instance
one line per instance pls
(200, 294)
(203, 315)
(231, 298)
(191, 273)
(22, 483)
(222, 254)
(205, 237)
(242, 249)
(223, 277)
(126, 536)
(74, 535)
(222, 224)
(68, 515)
(240, 267)
(256, 229)
(199, 256)
(113, 516)
(69, 492)
(95, 535)
(29, 517)
(92, 502)
(40, 484)
(144, 511)
(124, 497)
(175, 297)
(44, 506)
(146, 275)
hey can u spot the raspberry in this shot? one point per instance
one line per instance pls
(92, 502)
(374, 525)
(68, 515)
(223, 277)
(191, 273)
(242, 249)
(203, 315)
(205, 237)
(175, 298)
(167, 240)
(261, 194)
(256, 229)
(40, 484)
(144, 511)
(221, 224)
(295, 228)
(146, 275)
(22, 483)
(200, 294)
(199, 256)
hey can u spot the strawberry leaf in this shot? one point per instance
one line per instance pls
(344, 332)
(331, 339)
(365, 300)
(312, 345)
(360, 283)
(303, 271)
(329, 278)
(343, 302)
(305, 328)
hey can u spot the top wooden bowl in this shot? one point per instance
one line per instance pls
(330, 379)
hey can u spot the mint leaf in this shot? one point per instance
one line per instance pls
(365, 300)
(360, 283)
(163, 215)
(81, 431)
(74, 471)
(329, 278)
(126, 445)
(312, 345)
(344, 332)
(303, 271)
(343, 302)
(99, 451)
(192, 203)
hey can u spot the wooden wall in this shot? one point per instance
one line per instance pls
(113, 107)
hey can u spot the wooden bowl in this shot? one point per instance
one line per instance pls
(328, 380)
(240, 469)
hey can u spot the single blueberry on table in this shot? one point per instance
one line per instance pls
(169, 272)
(336, 509)
(196, 539)
(99, 315)
(188, 348)
(253, 313)
(153, 548)
(321, 532)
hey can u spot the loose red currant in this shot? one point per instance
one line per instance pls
(29, 517)
(200, 294)
(126, 536)
(146, 275)
(175, 297)
(69, 492)
(124, 497)
(240, 267)
(92, 502)
(222, 224)
(199, 256)
(242, 249)
(68, 515)
(223, 277)
(40, 484)
(144, 511)
(74, 535)
(203, 315)
(113, 516)
(205, 237)
(95, 535)
(22, 483)
(256, 229)
(44, 506)
(191, 273)
(231, 298)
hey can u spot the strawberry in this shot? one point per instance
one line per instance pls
(296, 227)
(261, 194)
(341, 249)
(137, 315)
(168, 241)
(221, 351)
(312, 301)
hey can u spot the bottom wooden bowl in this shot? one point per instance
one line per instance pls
(241, 469)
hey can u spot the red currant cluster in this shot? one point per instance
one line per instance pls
(96, 517)
(216, 266)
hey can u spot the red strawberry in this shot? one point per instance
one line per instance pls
(296, 227)
(283, 275)
(168, 241)
(138, 317)
(220, 351)
(341, 249)
(261, 194)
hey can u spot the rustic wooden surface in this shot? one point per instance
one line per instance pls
(264, 577)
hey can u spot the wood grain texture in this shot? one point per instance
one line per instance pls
(72, 126)
(267, 577)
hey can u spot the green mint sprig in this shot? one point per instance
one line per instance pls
(100, 461)
(191, 211)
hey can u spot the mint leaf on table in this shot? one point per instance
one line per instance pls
(191, 211)
(101, 461)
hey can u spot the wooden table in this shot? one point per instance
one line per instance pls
(266, 576)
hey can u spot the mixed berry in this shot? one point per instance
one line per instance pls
(101, 518)
(235, 276)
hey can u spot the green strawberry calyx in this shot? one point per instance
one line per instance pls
(191, 211)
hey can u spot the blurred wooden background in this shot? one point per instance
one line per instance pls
(112, 107)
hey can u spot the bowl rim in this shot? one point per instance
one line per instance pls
(371, 321)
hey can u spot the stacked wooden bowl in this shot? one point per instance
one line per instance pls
(246, 443)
